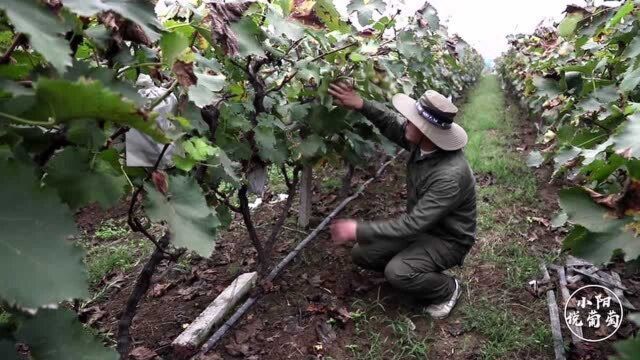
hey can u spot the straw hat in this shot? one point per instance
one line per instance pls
(433, 115)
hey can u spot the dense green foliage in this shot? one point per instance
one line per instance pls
(581, 81)
(251, 81)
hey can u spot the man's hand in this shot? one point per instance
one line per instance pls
(345, 96)
(343, 231)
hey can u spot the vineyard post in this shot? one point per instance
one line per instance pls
(306, 193)
(345, 190)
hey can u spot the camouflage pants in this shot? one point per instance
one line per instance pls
(413, 266)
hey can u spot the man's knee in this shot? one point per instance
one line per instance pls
(398, 274)
(403, 276)
(363, 258)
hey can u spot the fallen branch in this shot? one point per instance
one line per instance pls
(554, 317)
(222, 331)
(599, 277)
(562, 278)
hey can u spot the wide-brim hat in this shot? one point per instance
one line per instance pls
(433, 115)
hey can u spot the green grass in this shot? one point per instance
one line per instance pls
(489, 128)
(514, 258)
(107, 259)
(491, 312)
(109, 230)
(505, 332)
(386, 337)
(331, 183)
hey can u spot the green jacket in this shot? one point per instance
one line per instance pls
(441, 195)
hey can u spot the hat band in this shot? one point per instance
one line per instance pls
(432, 119)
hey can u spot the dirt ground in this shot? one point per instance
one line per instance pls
(323, 307)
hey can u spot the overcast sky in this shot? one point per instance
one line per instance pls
(485, 24)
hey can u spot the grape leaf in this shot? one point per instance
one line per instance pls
(590, 155)
(582, 210)
(228, 167)
(559, 220)
(599, 234)
(173, 44)
(56, 334)
(365, 9)
(627, 349)
(82, 70)
(312, 146)
(283, 26)
(626, 141)
(192, 223)
(567, 27)
(86, 133)
(408, 46)
(633, 49)
(264, 136)
(634, 168)
(598, 247)
(431, 15)
(566, 155)
(327, 12)
(203, 93)
(249, 37)
(38, 265)
(546, 87)
(631, 79)
(600, 170)
(44, 29)
(99, 35)
(66, 101)
(140, 12)
(535, 159)
(77, 174)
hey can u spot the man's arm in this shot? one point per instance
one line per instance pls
(441, 197)
(388, 122)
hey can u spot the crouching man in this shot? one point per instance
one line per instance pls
(439, 226)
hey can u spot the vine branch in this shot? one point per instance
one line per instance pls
(162, 97)
(18, 40)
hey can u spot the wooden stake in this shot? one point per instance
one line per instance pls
(306, 193)
(187, 343)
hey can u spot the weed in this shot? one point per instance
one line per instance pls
(110, 230)
(104, 260)
(401, 342)
(277, 183)
(505, 332)
(184, 263)
(516, 261)
(331, 184)
(5, 318)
